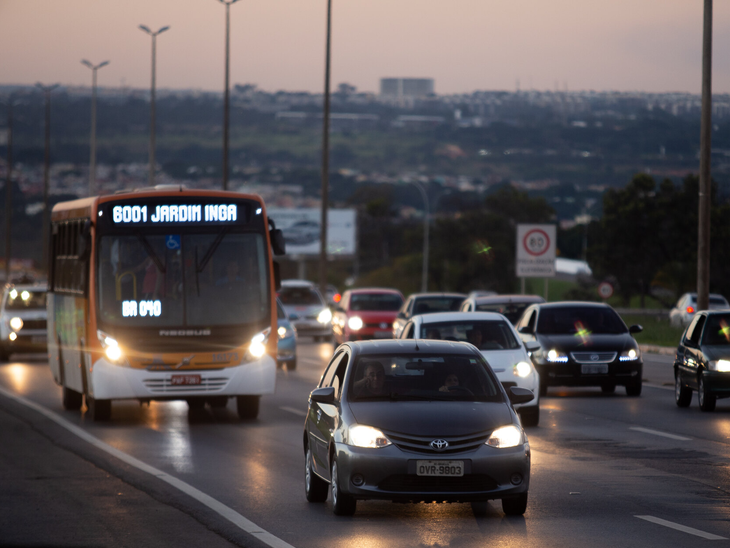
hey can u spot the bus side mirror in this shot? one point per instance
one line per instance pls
(277, 242)
(277, 276)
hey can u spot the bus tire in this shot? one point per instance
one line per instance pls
(99, 410)
(248, 406)
(72, 400)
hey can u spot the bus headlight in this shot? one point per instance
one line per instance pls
(110, 346)
(325, 316)
(16, 324)
(257, 348)
(522, 370)
(355, 323)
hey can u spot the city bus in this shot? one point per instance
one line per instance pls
(163, 294)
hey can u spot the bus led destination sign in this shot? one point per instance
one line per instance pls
(175, 214)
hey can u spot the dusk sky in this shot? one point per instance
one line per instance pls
(465, 45)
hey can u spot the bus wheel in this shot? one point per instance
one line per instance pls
(248, 406)
(72, 400)
(99, 410)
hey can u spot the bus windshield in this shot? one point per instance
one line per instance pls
(183, 279)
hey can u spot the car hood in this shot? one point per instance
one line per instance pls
(432, 418)
(504, 360)
(570, 343)
(374, 316)
(302, 310)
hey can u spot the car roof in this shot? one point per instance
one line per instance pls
(408, 346)
(297, 283)
(509, 299)
(573, 304)
(383, 290)
(419, 295)
(440, 317)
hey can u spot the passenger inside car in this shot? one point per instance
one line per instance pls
(372, 382)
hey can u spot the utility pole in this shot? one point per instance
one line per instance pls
(45, 228)
(9, 192)
(703, 229)
(92, 151)
(325, 158)
(226, 98)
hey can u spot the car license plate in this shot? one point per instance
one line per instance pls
(594, 369)
(177, 380)
(383, 334)
(451, 468)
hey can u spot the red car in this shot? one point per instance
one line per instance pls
(366, 314)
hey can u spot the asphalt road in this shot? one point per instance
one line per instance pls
(608, 470)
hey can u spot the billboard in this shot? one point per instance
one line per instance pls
(302, 230)
(535, 251)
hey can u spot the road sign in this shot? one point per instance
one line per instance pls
(605, 290)
(535, 251)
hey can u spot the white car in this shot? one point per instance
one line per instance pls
(23, 320)
(499, 343)
(683, 312)
(307, 310)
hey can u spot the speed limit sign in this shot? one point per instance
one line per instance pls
(605, 290)
(535, 251)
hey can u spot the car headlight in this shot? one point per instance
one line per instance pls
(16, 323)
(325, 316)
(522, 370)
(367, 436)
(110, 346)
(257, 347)
(355, 323)
(719, 365)
(506, 436)
(629, 355)
(556, 356)
(285, 332)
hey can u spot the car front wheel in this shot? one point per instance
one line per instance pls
(342, 504)
(682, 394)
(315, 488)
(515, 506)
(707, 400)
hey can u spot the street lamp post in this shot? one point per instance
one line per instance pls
(8, 191)
(152, 100)
(46, 173)
(226, 104)
(426, 213)
(92, 152)
(325, 158)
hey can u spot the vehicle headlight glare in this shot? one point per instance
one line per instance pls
(258, 345)
(355, 323)
(720, 365)
(16, 323)
(629, 355)
(506, 436)
(522, 370)
(110, 346)
(325, 316)
(367, 436)
(556, 356)
(13, 336)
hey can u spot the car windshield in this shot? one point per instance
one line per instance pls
(512, 311)
(717, 330)
(25, 299)
(183, 280)
(485, 335)
(423, 377)
(302, 296)
(429, 305)
(580, 321)
(375, 301)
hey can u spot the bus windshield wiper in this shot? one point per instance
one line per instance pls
(151, 253)
(209, 254)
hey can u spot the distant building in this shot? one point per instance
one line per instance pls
(406, 88)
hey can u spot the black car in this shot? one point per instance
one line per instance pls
(702, 362)
(414, 420)
(582, 344)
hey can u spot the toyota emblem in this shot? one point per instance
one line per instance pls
(439, 445)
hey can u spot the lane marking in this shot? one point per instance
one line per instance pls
(221, 509)
(659, 386)
(294, 410)
(659, 433)
(683, 528)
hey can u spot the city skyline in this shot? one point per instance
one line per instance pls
(645, 45)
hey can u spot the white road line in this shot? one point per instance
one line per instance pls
(294, 410)
(659, 386)
(683, 528)
(218, 507)
(659, 433)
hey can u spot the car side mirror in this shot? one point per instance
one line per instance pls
(324, 395)
(532, 346)
(525, 330)
(400, 315)
(519, 395)
(636, 329)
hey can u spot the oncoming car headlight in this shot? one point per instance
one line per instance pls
(629, 355)
(285, 332)
(555, 356)
(110, 346)
(722, 366)
(522, 370)
(16, 323)
(506, 436)
(367, 436)
(325, 316)
(355, 323)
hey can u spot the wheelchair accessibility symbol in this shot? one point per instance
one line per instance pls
(172, 241)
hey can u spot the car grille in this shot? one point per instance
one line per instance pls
(34, 324)
(421, 444)
(165, 386)
(593, 357)
(409, 483)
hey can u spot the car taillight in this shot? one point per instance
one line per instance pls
(690, 310)
(337, 298)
